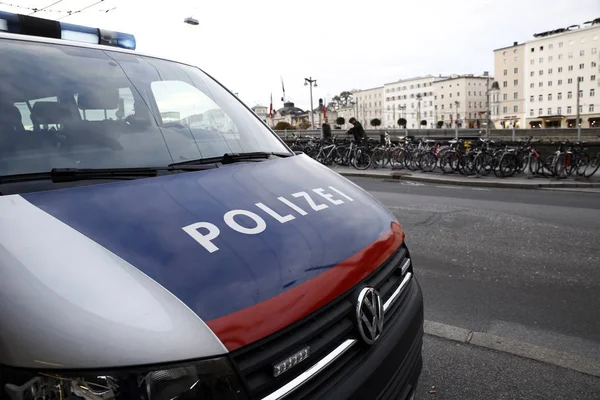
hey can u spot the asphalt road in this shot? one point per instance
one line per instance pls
(453, 371)
(519, 264)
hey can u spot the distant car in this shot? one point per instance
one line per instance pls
(191, 257)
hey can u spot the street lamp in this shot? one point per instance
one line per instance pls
(419, 110)
(457, 117)
(487, 112)
(312, 83)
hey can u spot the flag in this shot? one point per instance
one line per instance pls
(283, 89)
(324, 108)
(271, 107)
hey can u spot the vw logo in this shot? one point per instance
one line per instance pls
(369, 315)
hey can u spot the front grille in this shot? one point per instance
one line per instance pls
(323, 331)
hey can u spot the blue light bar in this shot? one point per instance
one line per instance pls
(26, 25)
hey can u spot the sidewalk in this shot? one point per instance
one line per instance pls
(517, 182)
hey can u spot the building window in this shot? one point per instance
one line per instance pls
(560, 45)
(450, 106)
(541, 72)
(541, 48)
(581, 66)
(531, 85)
(593, 78)
(549, 71)
(458, 94)
(549, 110)
(582, 53)
(549, 83)
(550, 46)
(569, 109)
(505, 72)
(549, 96)
(570, 54)
(450, 95)
(539, 111)
(550, 59)
(532, 98)
(570, 80)
(516, 82)
(594, 64)
(541, 60)
(591, 108)
(541, 84)
(516, 70)
(531, 112)
(516, 95)
(532, 61)
(560, 82)
(559, 111)
(541, 97)
(580, 109)
(532, 73)
(516, 58)
(516, 109)
(560, 56)
(580, 79)
(569, 95)
(594, 50)
(470, 105)
(559, 70)
(532, 49)
(505, 109)
(570, 68)
(592, 92)
(559, 96)
(505, 84)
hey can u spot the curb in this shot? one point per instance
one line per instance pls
(558, 358)
(472, 181)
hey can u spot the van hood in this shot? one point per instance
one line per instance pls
(279, 223)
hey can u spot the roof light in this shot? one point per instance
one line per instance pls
(33, 26)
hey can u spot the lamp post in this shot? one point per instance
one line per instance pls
(487, 112)
(578, 113)
(457, 118)
(419, 109)
(311, 82)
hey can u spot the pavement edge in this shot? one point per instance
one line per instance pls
(522, 349)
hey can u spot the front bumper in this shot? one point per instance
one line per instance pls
(389, 369)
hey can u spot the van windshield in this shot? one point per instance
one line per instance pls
(71, 107)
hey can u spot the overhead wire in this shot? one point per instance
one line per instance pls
(44, 8)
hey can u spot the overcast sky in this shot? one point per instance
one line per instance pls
(249, 45)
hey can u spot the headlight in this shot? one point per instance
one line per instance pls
(201, 380)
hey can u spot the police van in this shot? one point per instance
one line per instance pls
(158, 241)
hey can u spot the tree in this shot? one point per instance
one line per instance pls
(375, 122)
(402, 122)
(423, 122)
(340, 121)
(440, 124)
(304, 124)
(282, 125)
(344, 99)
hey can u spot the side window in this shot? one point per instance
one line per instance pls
(181, 103)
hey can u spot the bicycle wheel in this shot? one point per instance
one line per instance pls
(380, 158)
(397, 158)
(446, 161)
(562, 166)
(509, 164)
(482, 164)
(467, 164)
(582, 162)
(592, 166)
(428, 162)
(362, 159)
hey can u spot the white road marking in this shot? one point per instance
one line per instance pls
(450, 187)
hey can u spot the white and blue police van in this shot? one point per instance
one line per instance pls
(158, 241)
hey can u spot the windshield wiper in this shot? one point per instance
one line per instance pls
(231, 158)
(58, 175)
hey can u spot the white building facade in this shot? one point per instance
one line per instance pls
(556, 63)
(538, 80)
(411, 99)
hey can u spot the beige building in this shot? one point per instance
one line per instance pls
(411, 99)
(509, 71)
(538, 80)
(461, 98)
(368, 105)
(562, 67)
